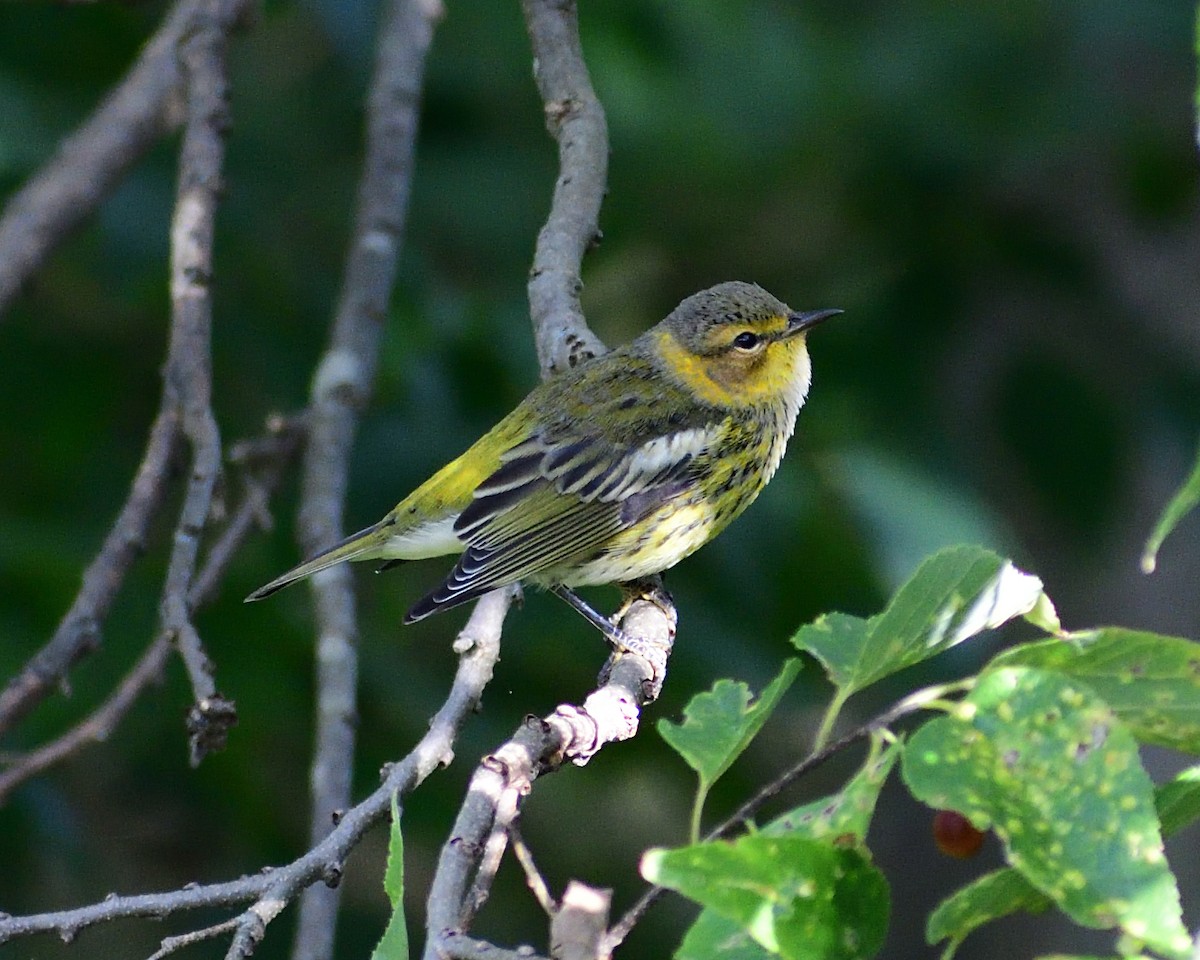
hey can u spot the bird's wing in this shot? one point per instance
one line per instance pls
(555, 503)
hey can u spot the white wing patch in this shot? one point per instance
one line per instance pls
(642, 466)
(433, 539)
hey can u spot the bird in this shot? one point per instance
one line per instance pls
(611, 471)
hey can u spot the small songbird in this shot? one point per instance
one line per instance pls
(614, 470)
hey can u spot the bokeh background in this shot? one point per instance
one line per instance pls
(1001, 195)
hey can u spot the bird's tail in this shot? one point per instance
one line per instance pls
(358, 546)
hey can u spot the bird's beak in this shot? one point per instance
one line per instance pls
(802, 322)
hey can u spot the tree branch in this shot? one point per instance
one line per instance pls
(188, 373)
(265, 460)
(479, 647)
(575, 119)
(91, 162)
(571, 733)
(340, 389)
(79, 631)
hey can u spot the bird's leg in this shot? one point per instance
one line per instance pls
(650, 588)
(613, 635)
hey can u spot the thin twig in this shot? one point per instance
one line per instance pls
(575, 119)
(270, 457)
(533, 877)
(96, 728)
(479, 646)
(170, 944)
(80, 630)
(91, 162)
(341, 389)
(188, 373)
(539, 746)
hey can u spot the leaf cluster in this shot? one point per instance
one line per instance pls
(1040, 747)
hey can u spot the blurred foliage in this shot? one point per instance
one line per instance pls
(1001, 195)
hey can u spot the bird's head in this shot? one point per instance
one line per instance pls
(735, 345)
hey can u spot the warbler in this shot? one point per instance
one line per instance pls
(614, 470)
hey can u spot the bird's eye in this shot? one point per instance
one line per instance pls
(746, 341)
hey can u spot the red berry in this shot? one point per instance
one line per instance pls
(954, 835)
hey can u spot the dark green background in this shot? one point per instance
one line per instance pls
(1001, 195)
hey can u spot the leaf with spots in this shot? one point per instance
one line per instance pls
(719, 724)
(846, 813)
(1151, 681)
(1005, 891)
(1045, 763)
(954, 595)
(796, 898)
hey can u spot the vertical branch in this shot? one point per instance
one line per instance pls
(188, 374)
(340, 389)
(90, 163)
(575, 119)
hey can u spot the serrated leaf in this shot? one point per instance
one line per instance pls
(719, 724)
(848, 812)
(954, 595)
(987, 898)
(798, 898)
(1180, 505)
(1006, 891)
(393, 945)
(1151, 681)
(1045, 763)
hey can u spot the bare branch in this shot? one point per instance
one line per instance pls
(83, 172)
(188, 373)
(80, 629)
(340, 389)
(500, 783)
(265, 460)
(90, 163)
(577, 930)
(96, 728)
(170, 944)
(575, 119)
(479, 648)
(458, 946)
(533, 877)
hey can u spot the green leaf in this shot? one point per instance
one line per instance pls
(1178, 801)
(1151, 681)
(714, 937)
(954, 595)
(1006, 891)
(1180, 505)
(987, 898)
(718, 725)
(844, 814)
(393, 945)
(1044, 762)
(798, 898)
(848, 812)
